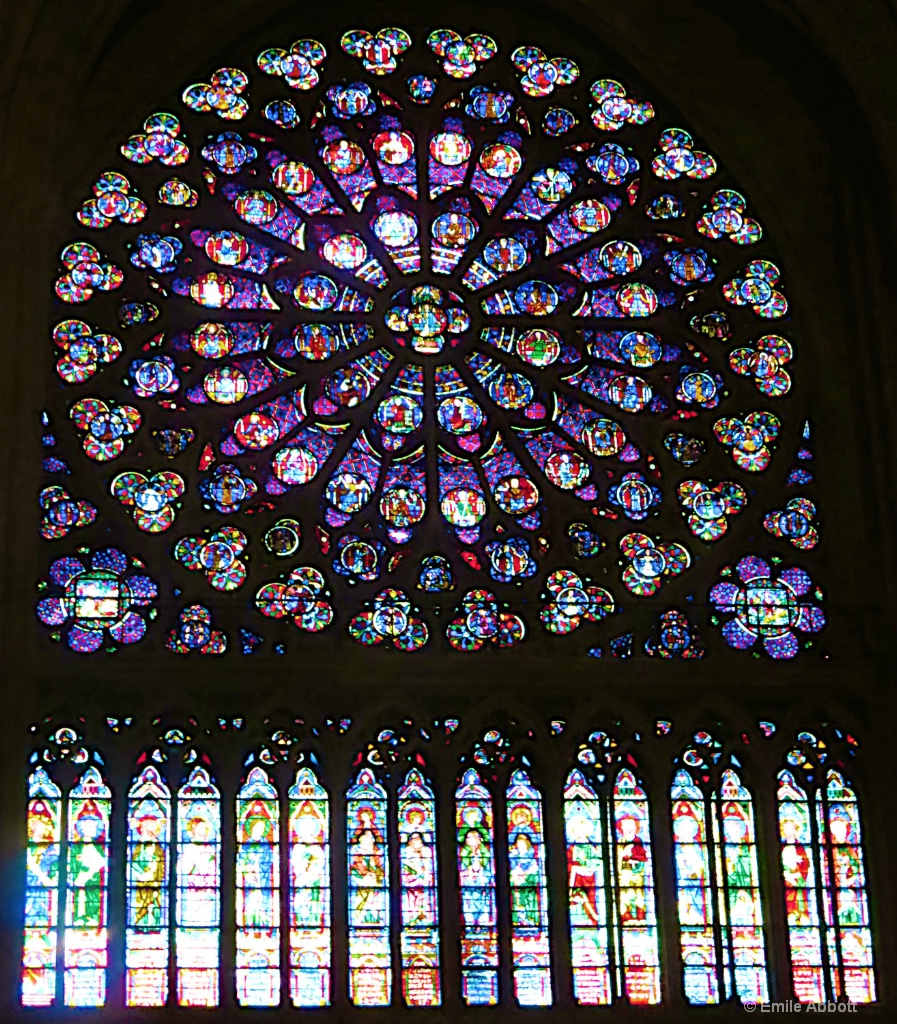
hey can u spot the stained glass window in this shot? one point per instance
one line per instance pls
(147, 893)
(198, 902)
(587, 868)
(421, 985)
(168, 864)
(87, 891)
(370, 958)
(799, 876)
(404, 291)
(475, 838)
(844, 884)
(530, 953)
(258, 892)
(720, 915)
(44, 834)
(823, 874)
(610, 881)
(741, 908)
(636, 901)
(309, 909)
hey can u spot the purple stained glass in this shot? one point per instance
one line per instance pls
(420, 306)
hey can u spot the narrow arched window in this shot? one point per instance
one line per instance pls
(147, 897)
(420, 899)
(198, 900)
(370, 959)
(258, 892)
(823, 875)
(844, 880)
(587, 871)
(799, 877)
(44, 833)
(742, 908)
(309, 911)
(694, 890)
(530, 952)
(475, 837)
(87, 891)
(633, 863)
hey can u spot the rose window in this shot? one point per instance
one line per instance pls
(423, 318)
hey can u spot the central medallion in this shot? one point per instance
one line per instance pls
(427, 318)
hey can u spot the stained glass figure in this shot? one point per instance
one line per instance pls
(85, 952)
(826, 902)
(198, 901)
(846, 903)
(370, 959)
(741, 909)
(799, 877)
(694, 891)
(475, 838)
(44, 834)
(147, 878)
(479, 329)
(633, 865)
(258, 892)
(587, 873)
(530, 954)
(309, 907)
(419, 940)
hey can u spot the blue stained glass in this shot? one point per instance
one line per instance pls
(695, 892)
